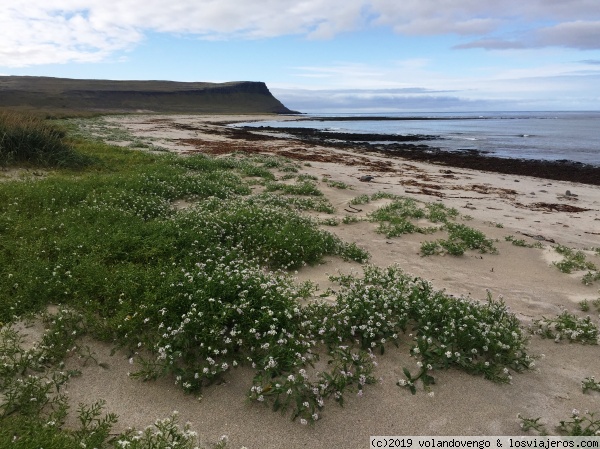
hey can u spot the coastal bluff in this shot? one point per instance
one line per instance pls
(48, 93)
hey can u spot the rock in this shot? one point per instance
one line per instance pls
(568, 193)
(366, 178)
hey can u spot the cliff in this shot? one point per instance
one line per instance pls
(131, 96)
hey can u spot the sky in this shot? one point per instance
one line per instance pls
(325, 55)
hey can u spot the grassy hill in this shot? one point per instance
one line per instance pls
(62, 94)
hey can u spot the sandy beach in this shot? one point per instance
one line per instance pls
(500, 205)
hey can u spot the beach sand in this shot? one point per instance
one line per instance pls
(462, 404)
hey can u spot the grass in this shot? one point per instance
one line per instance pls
(28, 139)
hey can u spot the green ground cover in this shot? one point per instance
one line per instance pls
(192, 293)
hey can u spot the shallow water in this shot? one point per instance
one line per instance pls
(573, 136)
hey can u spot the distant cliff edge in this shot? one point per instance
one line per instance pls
(242, 97)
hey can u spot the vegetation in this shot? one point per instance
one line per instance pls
(567, 326)
(576, 261)
(522, 243)
(195, 292)
(30, 140)
(586, 424)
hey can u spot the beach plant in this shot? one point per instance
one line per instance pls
(528, 424)
(337, 184)
(578, 424)
(306, 177)
(476, 337)
(457, 333)
(460, 239)
(329, 221)
(164, 433)
(299, 204)
(472, 238)
(349, 370)
(439, 213)
(430, 248)
(360, 199)
(34, 406)
(590, 384)
(572, 260)
(349, 219)
(305, 187)
(522, 243)
(590, 277)
(384, 195)
(567, 326)
(576, 261)
(395, 218)
(586, 424)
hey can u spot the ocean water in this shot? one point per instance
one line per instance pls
(573, 136)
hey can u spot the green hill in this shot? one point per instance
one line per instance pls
(46, 93)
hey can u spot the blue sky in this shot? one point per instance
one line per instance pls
(325, 55)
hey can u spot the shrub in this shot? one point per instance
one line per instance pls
(31, 140)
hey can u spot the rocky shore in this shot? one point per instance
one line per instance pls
(561, 170)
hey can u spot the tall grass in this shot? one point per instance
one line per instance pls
(29, 139)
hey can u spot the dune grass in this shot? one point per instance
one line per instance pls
(28, 139)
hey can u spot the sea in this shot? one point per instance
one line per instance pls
(573, 136)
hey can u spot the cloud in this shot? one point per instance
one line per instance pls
(492, 44)
(584, 35)
(45, 31)
(590, 61)
(375, 100)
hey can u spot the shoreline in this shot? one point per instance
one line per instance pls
(560, 170)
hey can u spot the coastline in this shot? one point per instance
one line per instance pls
(498, 204)
(561, 170)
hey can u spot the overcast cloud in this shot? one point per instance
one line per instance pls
(50, 31)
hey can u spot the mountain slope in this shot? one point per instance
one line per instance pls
(131, 96)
